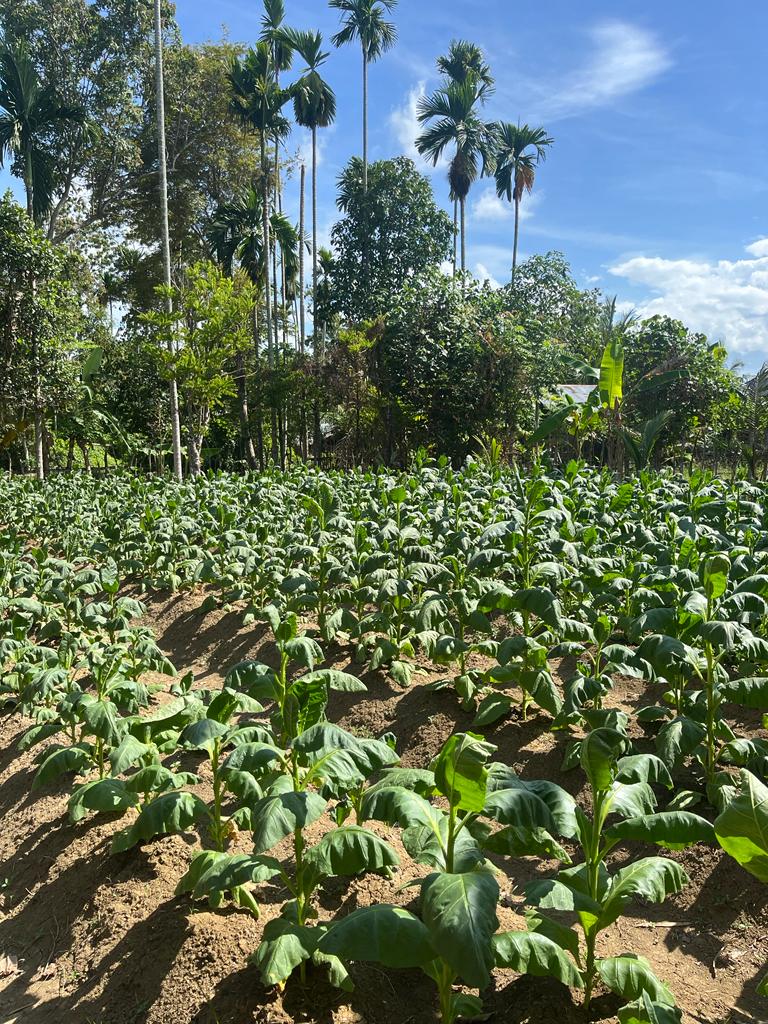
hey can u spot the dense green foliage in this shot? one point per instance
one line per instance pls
(357, 354)
(479, 571)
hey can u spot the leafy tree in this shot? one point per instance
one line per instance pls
(364, 20)
(520, 149)
(210, 315)
(451, 363)
(42, 321)
(698, 396)
(90, 58)
(388, 235)
(31, 120)
(551, 307)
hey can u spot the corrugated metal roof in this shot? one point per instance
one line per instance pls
(578, 392)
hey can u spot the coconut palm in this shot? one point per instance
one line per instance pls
(32, 118)
(314, 106)
(453, 109)
(520, 149)
(365, 21)
(464, 61)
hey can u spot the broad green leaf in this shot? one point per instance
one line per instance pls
(203, 735)
(381, 934)
(70, 759)
(108, 795)
(651, 878)
(646, 1011)
(459, 911)
(612, 373)
(673, 829)
(461, 770)
(629, 976)
(284, 945)
(534, 953)
(335, 680)
(217, 876)
(169, 813)
(599, 753)
(750, 692)
(275, 817)
(350, 850)
(742, 828)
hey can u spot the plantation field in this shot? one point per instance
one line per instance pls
(470, 742)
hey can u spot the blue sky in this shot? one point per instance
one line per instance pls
(657, 186)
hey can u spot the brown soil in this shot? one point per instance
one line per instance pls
(90, 938)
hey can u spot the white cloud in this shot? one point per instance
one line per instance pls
(483, 274)
(489, 207)
(624, 58)
(727, 299)
(404, 122)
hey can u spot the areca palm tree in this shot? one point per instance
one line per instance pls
(236, 236)
(258, 100)
(453, 109)
(314, 106)
(464, 61)
(32, 117)
(173, 390)
(520, 149)
(365, 21)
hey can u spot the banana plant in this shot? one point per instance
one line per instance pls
(620, 789)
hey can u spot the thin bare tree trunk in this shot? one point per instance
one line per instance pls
(365, 121)
(242, 397)
(455, 234)
(302, 310)
(165, 231)
(463, 204)
(517, 228)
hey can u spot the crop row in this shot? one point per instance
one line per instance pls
(484, 574)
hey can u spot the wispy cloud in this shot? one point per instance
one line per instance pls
(488, 206)
(623, 59)
(405, 126)
(727, 299)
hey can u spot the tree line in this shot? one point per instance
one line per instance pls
(153, 278)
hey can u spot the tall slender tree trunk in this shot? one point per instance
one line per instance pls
(259, 410)
(302, 228)
(39, 418)
(514, 246)
(463, 205)
(365, 121)
(267, 298)
(166, 239)
(455, 234)
(317, 431)
(242, 398)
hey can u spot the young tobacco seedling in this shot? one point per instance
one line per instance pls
(453, 939)
(620, 787)
(742, 831)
